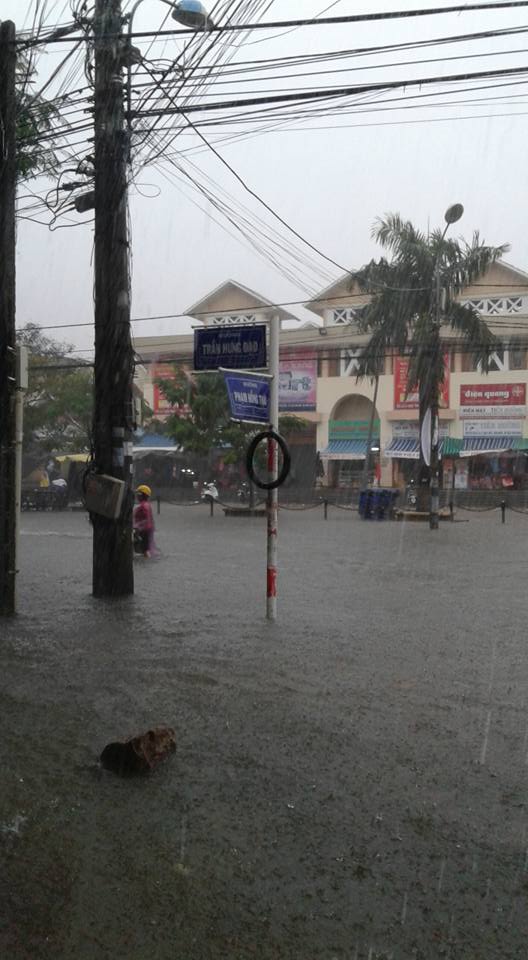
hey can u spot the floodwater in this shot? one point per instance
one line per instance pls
(349, 783)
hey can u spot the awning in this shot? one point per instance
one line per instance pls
(140, 453)
(409, 449)
(406, 448)
(473, 446)
(521, 444)
(451, 447)
(345, 450)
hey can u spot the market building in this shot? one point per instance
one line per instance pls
(483, 425)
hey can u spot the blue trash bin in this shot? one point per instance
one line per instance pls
(366, 504)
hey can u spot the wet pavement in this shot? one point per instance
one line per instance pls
(349, 783)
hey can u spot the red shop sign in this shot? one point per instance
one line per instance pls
(493, 395)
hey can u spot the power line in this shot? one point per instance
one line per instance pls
(269, 306)
(337, 92)
(319, 22)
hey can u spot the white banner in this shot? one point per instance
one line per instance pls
(493, 428)
(471, 413)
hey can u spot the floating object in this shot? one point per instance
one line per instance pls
(140, 754)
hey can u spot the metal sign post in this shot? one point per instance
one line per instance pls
(273, 455)
(254, 398)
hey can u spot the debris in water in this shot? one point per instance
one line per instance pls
(140, 754)
(14, 826)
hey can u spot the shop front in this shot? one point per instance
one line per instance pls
(344, 457)
(404, 450)
(494, 453)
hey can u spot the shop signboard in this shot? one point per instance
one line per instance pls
(492, 413)
(461, 475)
(404, 400)
(249, 397)
(297, 382)
(410, 430)
(492, 400)
(352, 429)
(493, 428)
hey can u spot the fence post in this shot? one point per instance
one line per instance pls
(211, 507)
(503, 510)
(326, 509)
(451, 510)
(158, 500)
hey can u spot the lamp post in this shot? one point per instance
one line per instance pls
(452, 215)
(190, 13)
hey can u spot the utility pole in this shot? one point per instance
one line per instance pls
(435, 439)
(114, 361)
(7, 319)
(273, 466)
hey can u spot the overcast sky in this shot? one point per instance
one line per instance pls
(328, 184)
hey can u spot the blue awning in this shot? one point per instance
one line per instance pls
(405, 448)
(345, 450)
(409, 448)
(479, 445)
(155, 441)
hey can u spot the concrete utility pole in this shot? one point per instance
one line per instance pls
(7, 319)
(114, 361)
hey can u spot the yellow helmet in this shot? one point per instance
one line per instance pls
(144, 489)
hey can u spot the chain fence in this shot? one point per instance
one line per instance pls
(465, 501)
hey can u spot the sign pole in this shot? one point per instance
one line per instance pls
(273, 455)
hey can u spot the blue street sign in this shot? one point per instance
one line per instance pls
(249, 397)
(239, 348)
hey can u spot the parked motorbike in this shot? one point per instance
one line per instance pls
(209, 492)
(242, 494)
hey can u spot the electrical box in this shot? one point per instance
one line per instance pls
(104, 495)
(22, 368)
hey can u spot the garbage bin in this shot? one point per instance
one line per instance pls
(377, 504)
(366, 504)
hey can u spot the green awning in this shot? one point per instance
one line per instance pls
(452, 447)
(521, 444)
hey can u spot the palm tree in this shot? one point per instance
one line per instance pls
(410, 291)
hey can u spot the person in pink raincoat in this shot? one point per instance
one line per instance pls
(144, 523)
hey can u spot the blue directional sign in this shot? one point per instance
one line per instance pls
(239, 348)
(249, 397)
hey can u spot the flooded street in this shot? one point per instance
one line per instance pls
(348, 783)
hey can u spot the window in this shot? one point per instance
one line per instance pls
(517, 355)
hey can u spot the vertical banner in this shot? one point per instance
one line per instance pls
(297, 381)
(165, 370)
(411, 401)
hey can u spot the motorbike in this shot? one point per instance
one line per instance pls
(243, 492)
(209, 492)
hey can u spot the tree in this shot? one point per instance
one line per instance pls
(35, 119)
(403, 310)
(202, 421)
(59, 401)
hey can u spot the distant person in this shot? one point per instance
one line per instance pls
(39, 477)
(53, 469)
(144, 523)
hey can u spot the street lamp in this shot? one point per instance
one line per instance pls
(190, 13)
(452, 215)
